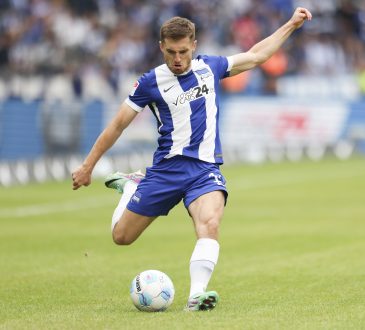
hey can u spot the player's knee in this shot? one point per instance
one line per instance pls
(122, 239)
(213, 226)
(210, 227)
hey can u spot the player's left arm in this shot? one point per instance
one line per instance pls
(263, 50)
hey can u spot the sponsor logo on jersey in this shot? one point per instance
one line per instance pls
(167, 89)
(192, 94)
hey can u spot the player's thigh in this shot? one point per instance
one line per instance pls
(130, 226)
(207, 212)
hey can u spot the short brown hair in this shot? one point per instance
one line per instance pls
(177, 28)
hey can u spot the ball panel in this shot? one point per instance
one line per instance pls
(166, 294)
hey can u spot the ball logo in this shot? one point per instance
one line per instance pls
(138, 283)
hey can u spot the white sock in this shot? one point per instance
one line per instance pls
(128, 191)
(202, 263)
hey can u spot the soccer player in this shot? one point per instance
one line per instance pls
(182, 94)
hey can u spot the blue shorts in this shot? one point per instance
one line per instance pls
(172, 180)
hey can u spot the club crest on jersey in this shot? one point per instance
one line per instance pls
(193, 94)
(203, 73)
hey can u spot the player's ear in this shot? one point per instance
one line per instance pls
(195, 43)
(161, 45)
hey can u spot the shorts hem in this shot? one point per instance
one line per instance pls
(211, 189)
(145, 214)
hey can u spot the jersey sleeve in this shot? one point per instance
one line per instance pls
(220, 65)
(139, 96)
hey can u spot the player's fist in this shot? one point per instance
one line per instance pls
(81, 177)
(300, 16)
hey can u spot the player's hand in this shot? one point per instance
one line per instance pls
(81, 177)
(300, 16)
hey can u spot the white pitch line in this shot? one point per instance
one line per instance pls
(49, 208)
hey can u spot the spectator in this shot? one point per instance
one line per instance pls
(112, 37)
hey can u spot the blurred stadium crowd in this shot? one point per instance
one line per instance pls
(81, 48)
(66, 64)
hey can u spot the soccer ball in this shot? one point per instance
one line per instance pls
(152, 291)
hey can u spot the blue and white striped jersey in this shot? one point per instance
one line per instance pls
(186, 108)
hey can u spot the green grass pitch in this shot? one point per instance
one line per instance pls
(292, 254)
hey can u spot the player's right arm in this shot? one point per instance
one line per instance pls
(82, 175)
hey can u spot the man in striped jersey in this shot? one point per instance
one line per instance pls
(183, 96)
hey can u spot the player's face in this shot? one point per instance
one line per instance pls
(178, 54)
